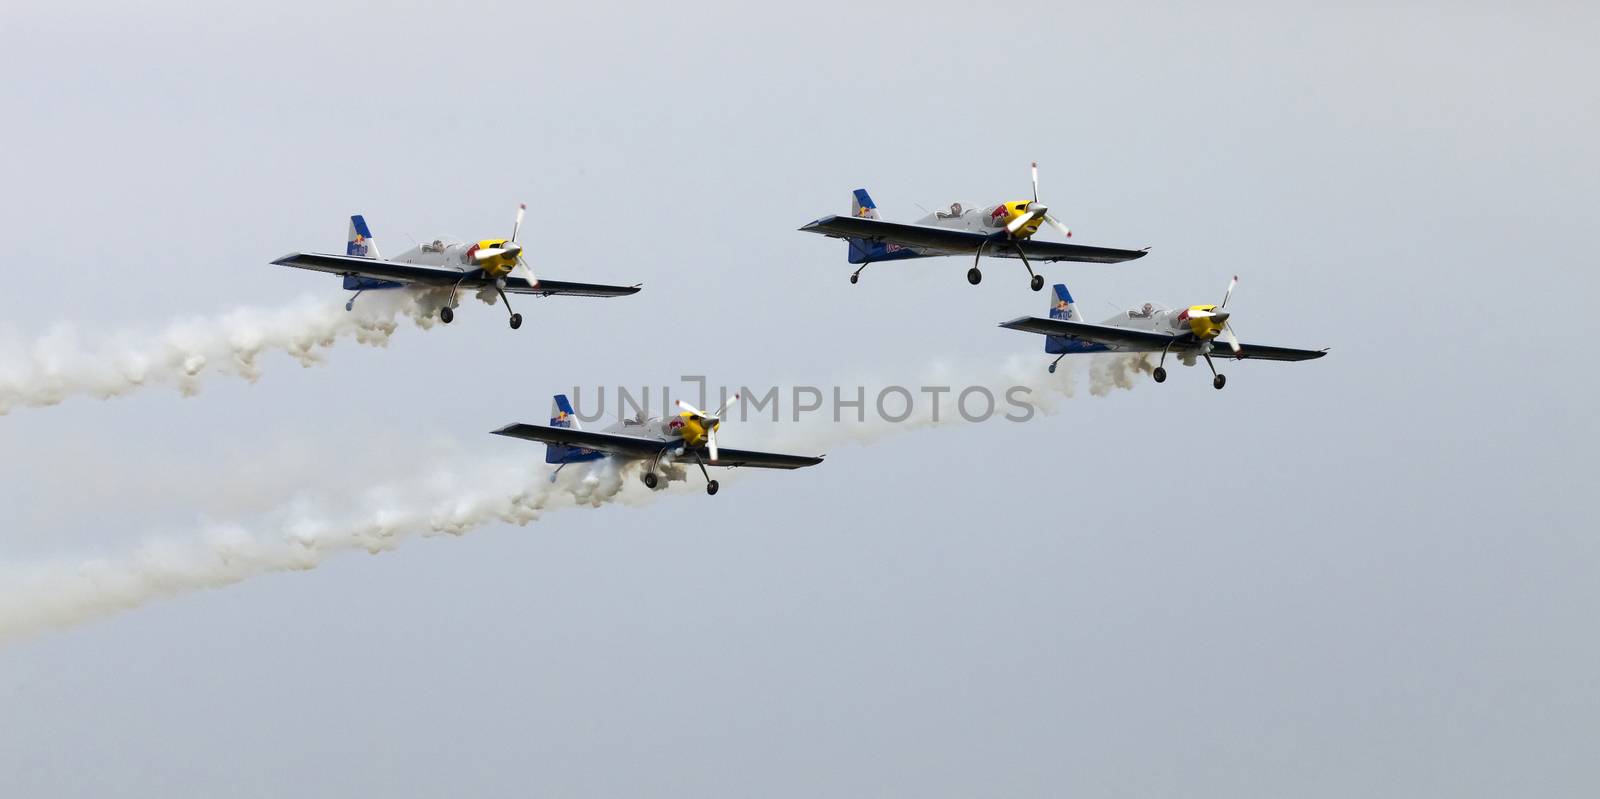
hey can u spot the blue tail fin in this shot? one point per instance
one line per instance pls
(863, 251)
(1062, 307)
(562, 415)
(359, 242)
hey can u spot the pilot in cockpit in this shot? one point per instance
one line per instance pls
(1144, 312)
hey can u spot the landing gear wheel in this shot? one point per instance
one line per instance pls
(1038, 282)
(446, 315)
(974, 276)
(350, 306)
(649, 479)
(711, 488)
(1160, 374)
(516, 321)
(1052, 368)
(854, 278)
(1219, 381)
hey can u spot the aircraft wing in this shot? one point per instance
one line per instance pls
(961, 242)
(370, 267)
(443, 276)
(1129, 339)
(634, 447)
(610, 443)
(567, 288)
(761, 460)
(1267, 353)
(1123, 337)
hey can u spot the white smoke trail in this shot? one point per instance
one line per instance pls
(62, 593)
(469, 494)
(60, 365)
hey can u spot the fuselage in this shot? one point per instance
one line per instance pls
(988, 220)
(461, 255)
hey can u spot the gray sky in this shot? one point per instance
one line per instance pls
(1368, 575)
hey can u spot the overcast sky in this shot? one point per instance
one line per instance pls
(1372, 574)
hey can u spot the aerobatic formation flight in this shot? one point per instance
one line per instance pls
(664, 448)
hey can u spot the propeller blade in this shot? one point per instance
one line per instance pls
(731, 400)
(1016, 224)
(526, 272)
(1035, 181)
(1197, 314)
(1229, 292)
(1060, 228)
(711, 442)
(692, 409)
(1228, 336)
(522, 208)
(487, 254)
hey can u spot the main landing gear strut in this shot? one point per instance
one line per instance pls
(711, 485)
(1035, 281)
(516, 318)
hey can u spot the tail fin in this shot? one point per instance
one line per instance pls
(863, 251)
(1061, 306)
(360, 243)
(861, 205)
(562, 415)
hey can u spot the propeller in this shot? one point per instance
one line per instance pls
(510, 249)
(1035, 210)
(1227, 329)
(711, 422)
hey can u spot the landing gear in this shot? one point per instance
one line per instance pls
(516, 318)
(1217, 381)
(351, 305)
(973, 275)
(649, 479)
(446, 315)
(1160, 373)
(711, 485)
(1035, 281)
(855, 277)
(1056, 361)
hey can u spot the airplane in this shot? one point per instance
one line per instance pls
(1189, 333)
(659, 443)
(491, 266)
(1005, 230)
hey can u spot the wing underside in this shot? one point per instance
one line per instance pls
(948, 241)
(443, 276)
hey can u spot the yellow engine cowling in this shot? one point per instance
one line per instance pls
(500, 265)
(1006, 212)
(1206, 327)
(694, 429)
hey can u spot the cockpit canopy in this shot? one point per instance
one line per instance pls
(1145, 310)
